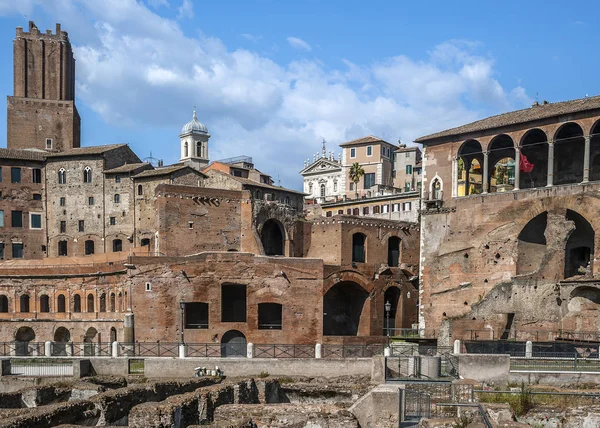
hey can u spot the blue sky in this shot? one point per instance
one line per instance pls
(271, 79)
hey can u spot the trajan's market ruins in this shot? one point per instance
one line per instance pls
(404, 285)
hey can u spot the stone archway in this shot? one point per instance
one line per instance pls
(343, 309)
(23, 336)
(272, 236)
(62, 336)
(233, 344)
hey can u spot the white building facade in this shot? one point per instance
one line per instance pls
(323, 178)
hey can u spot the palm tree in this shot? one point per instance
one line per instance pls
(356, 171)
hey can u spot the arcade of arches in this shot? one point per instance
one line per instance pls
(536, 160)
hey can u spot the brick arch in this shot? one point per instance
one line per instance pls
(348, 276)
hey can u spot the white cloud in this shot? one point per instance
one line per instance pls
(186, 10)
(137, 69)
(252, 37)
(299, 44)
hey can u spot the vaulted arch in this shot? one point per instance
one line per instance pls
(470, 168)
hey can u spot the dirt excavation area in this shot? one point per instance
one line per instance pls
(207, 401)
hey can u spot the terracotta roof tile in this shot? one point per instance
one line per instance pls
(23, 154)
(363, 140)
(164, 171)
(530, 114)
(91, 150)
(128, 167)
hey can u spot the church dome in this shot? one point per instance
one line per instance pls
(195, 126)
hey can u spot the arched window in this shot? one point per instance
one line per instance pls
(24, 303)
(44, 303)
(534, 160)
(62, 176)
(87, 174)
(501, 162)
(90, 303)
(436, 190)
(185, 150)
(322, 190)
(89, 247)
(569, 153)
(113, 304)
(61, 306)
(62, 248)
(358, 248)
(470, 171)
(117, 198)
(3, 304)
(117, 245)
(113, 334)
(145, 242)
(140, 192)
(199, 149)
(103, 302)
(76, 303)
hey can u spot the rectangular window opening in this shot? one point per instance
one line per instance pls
(233, 303)
(195, 315)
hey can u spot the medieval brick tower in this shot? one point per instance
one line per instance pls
(42, 112)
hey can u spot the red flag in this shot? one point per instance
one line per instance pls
(524, 164)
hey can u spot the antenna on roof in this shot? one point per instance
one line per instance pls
(153, 161)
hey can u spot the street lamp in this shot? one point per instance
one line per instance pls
(388, 308)
(182, 306)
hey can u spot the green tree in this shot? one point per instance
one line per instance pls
(356, 172)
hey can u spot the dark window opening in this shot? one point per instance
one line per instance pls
(195, 315)
(24, 303)
(16, 218)
(77, 303)
(17, 251)
(90, 303)
(272, 237)
(569, 148)
(15, 175)
(87, 174)
(269, 316)
(37, 197)
(369, 180)
(63, 226)
(3, 304)
(394, 251)
(61, 303)
(89, 247)
(580, 246)
(358, 248)
(117, 245)
(37, 175)
(113, 302)
(140, 192)
(233, 303)
(81, 226)
(44, 303)
(145, 242)
(62, 176)
(103, 303)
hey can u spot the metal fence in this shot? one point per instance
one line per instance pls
(422, 364)
(557, 362)
(427, 400)
(284, 351)
(40, 367)
(532, 335)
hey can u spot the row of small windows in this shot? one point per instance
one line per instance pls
(44, 301)
(89, 247)
(375, 209)
(87, 175)
(16, 175)
(385, 151)
(16, 219)
(63, 200)
(257, 195)
(233, 309)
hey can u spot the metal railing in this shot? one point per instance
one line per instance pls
(421, 364)
(532, 335)
(408, 333)
(21, 349)
(151, 349)
(569, 362)
(40, 367)
(284, 351)
(352, 351)
(203, 350)
(427, 400)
